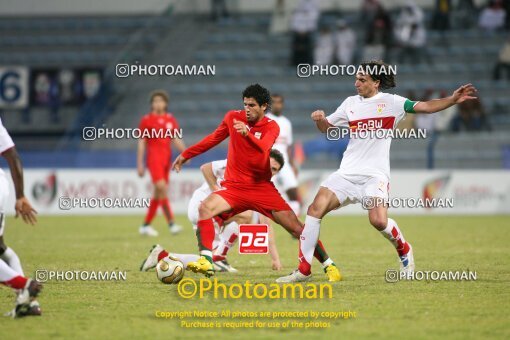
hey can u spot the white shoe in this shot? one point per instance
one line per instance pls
(152, 260)
(148, 231)
(407, 262)
(224, 266)
(175, 229)
(295, 276)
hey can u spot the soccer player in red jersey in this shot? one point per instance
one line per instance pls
(158, 133)
(247, 184)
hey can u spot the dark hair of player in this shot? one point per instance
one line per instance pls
(259, 93)
(383, 74)
(160, 93)
(277, 155)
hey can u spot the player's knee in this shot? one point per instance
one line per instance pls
(245, 217)
(379, 222)
(315, 210)
(204, 211)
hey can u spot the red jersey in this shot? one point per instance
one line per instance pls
(158, 149)
(248, 156)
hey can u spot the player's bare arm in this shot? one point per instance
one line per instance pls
(179, 144)
(23, 207)
(207, 172)
(142, 144)
(319, 117)
(463, 93)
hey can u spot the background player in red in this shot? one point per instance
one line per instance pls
(247, 184)
(159, 155)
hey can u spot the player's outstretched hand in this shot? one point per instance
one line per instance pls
(276, 265)
(178, 163)
(240, 127)
(465, 92)
(318, 115)
(24, 208)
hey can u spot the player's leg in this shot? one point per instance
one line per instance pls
(27, 289)
(309, 244)
(287, 181)
(157, 176)
(165, 204)
(157, 253)
(378, 217)
(8, 255)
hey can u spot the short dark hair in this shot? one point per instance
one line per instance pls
(383, 73)
(160, 93)
(278, 157)
(278, 95)
(259, 93)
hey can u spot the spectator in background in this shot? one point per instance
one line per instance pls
(345, 41)
(368, 10)
(410, 33)
(219, 9)
(471, 116)
(492, 17)
(503, 61)
(465, 13)
(303, 25)
(441, 17)
(379, 36)
(324, 48)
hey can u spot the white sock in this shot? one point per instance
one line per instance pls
(6, 272)
(227, 238)
(327, 263)
(395, 236)
(308, 240)
(12, 259)
(185, 258)
(295, 206)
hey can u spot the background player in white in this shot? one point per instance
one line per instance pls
(364, 172)
(286, 179)
(225, 237)
(11, 272)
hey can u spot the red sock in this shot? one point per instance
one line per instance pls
(167, 210)
(304, 267)
(162, 254)
(205, 234)
(17, 282)
(216, 258)
(151, 212)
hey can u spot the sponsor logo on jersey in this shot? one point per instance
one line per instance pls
(372, 123)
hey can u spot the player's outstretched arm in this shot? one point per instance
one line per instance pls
(23, 207)
(273, 250)
(463, 93)
(319, 117)
(208, 173)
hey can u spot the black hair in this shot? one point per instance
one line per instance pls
(278, 95)
(379, 70)
(278, 157)
(259, 93)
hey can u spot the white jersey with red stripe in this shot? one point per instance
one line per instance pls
(5, 141)
(284, 140)
(367, 155)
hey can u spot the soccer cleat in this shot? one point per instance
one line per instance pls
(152, 260)
(175, 229)
(147, 231)
(202, 266)
(333, 273)
(224, 266)
(25, 301)
(407, 262)
(295, 276)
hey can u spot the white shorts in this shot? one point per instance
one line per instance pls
(352, 189)
(4, 195)
(286, 178)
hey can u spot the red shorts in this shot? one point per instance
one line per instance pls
(159, 171)
(261, 197)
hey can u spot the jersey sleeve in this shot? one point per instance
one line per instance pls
(175, 123)
(215, 138)
(5, 139)
(339, 117)
(267, 141)
(142, 125)
(402, 106)
(218, 168)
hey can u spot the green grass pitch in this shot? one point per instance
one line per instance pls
(88, 309)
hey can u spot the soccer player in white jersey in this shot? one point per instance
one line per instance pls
(225, 237)
(286, 180)
(365, 168)
(11, 272)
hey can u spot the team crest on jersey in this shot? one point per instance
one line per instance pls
(380, 107)
(258, 134)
